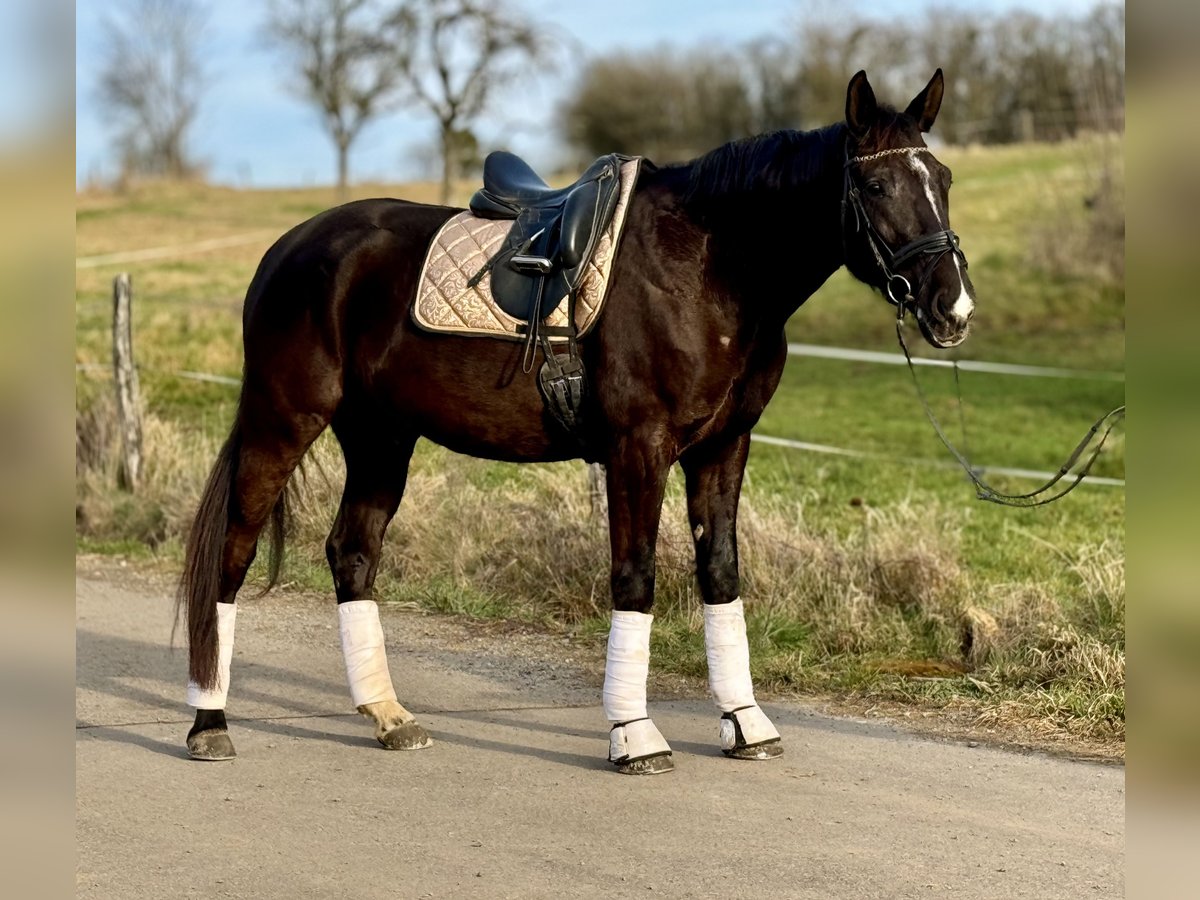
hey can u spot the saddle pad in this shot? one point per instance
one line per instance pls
(465, 243)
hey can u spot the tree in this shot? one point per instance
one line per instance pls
(348, 56)
(666, 106)
(152, 81)
(457, 53)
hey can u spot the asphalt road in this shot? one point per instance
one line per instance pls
(515, 799)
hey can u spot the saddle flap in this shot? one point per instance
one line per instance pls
(524, 295)
(580, 215)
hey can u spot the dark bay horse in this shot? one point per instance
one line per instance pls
(716, 255)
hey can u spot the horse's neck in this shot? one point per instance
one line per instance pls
(769, 251)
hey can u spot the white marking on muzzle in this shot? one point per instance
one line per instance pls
(964, 304)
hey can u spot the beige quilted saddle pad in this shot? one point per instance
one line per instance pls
(466, 242)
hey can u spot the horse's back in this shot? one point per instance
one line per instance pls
(360, 258)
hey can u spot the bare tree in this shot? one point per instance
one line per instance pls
(348, 55)
(458, 52)
(152, 81)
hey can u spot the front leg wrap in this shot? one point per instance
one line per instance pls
(633, 736)
(743, 726)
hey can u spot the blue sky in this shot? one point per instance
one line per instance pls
(253, 131)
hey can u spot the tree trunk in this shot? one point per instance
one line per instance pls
(447, 154)
(125, 377)
(343, 170)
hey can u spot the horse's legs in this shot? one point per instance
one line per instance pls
(256, 463)
(714, 485)
(637, 475)
(376, 472)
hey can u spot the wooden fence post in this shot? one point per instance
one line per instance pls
(597, 491)
(125, 377)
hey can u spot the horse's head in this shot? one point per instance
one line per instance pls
(896, 212)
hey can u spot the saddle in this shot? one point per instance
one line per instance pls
(543, 259)
(553, 234)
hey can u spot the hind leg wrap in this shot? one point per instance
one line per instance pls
(632, 736)
(216, 696)
(728, 650)
(364, 653)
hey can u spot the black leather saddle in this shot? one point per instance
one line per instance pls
(554, 230)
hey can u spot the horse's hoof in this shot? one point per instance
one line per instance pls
(409, 736)
(653, 765)
(772, 750)
(210, 746)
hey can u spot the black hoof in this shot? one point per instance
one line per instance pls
(770, 750)
(409, 736)
(211, 746)
(653, 765)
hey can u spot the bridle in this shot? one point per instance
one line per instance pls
(897, 289)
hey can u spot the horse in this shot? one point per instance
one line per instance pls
(717, 254)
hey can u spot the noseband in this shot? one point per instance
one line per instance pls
(897, 289)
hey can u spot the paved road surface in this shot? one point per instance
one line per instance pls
(515, 799)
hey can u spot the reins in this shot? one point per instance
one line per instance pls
(938, 244)
(985, 491)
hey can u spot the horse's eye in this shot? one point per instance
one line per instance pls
(874, 188)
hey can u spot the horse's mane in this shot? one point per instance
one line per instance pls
(768, 162)
(777, 161)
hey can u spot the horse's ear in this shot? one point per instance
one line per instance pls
(924, 107)
(861, 107)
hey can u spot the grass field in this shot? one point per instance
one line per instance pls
(863, 576)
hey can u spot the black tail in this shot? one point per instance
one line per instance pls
(200, 586)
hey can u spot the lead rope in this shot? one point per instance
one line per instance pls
(983, 490)
(962, 413)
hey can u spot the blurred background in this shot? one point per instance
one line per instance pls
(267, 93)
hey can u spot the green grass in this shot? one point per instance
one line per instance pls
(854, 568)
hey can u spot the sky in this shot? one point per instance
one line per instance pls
(252, 130)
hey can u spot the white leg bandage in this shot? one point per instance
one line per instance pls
(728, 654)
(633, 735)
(363, 650)
(199, 698)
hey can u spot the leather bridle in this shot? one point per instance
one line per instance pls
(897, 289)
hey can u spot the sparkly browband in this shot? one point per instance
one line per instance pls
(890, 152)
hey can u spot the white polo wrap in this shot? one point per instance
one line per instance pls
(728, 654)
(363, 650)
(627, 666)
(625, 672)
(199, 698)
